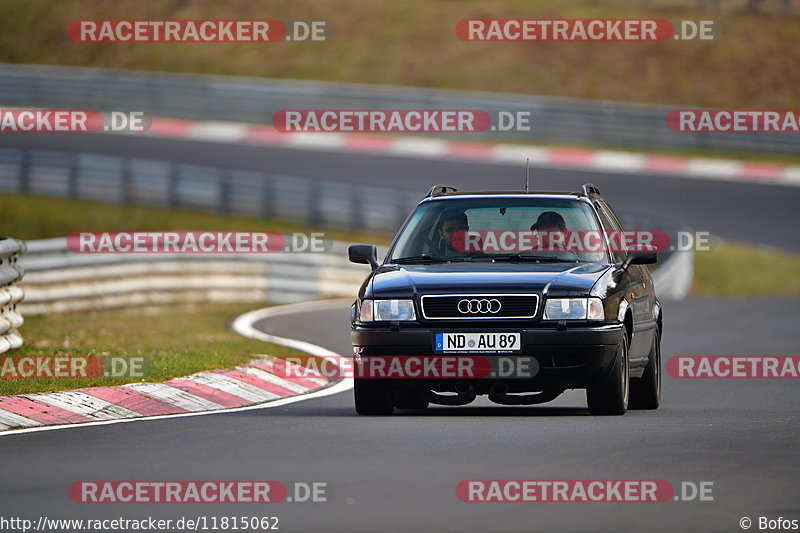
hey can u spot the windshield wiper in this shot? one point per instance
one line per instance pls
(529, 257)
(425, 258)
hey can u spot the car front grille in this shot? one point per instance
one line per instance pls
(479, 306)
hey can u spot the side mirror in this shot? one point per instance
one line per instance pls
(366, 254)
(639, 258)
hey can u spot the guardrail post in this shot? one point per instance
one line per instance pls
(24, 172)
(72, 176)
(266, 196)
(125, 182)
(314, 201)
(356, 208)
(400, 211)
(172, 185)
(223, 205)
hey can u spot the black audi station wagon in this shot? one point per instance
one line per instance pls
(462, 280)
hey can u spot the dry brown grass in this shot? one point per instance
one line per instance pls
(756, 63)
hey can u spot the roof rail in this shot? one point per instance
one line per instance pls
(590, 188)
(439, 189)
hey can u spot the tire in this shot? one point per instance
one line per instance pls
(373, 397)
(610, 397)
(646, 391)
(410, 399)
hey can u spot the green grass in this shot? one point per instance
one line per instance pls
(754, 64)
(744, 270)
(175, 342)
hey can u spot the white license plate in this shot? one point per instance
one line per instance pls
(477, 342)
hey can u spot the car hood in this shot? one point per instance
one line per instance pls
(567, 279)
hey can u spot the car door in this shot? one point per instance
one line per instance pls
(639, 293)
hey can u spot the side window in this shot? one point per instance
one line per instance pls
(610, 223)
(613, 215)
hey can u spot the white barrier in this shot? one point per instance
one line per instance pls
(60, 281)
(10, 294)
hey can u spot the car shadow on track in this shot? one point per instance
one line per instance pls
(434, 411)
(494, 411)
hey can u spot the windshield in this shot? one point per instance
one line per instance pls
(497, 228)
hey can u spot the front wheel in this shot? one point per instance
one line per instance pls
(646, 391)
(373, 397)
(610, 397)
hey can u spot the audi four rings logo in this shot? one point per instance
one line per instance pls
(476, 306)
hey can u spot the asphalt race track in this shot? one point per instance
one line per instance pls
(400, 473)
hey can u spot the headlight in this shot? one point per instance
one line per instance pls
(574, 309)
(387, 310)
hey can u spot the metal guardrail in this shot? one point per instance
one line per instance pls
(118, 180)
(58, 280)
(556, 120)
(10, 294)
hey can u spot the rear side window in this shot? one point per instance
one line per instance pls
(610, 223)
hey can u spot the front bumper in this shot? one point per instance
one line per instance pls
(574, 357)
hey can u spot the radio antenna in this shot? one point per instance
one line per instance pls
(527, 172)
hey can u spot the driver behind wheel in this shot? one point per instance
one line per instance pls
(449, 225)
(550, 225)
